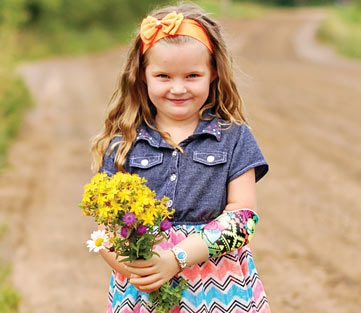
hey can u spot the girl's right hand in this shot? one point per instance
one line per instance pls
(150, 275)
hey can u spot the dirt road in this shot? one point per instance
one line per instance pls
(303, 105)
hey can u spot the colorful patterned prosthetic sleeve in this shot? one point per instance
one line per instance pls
(229, 231)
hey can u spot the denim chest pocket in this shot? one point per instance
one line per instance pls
(210, 158)
(147, 161)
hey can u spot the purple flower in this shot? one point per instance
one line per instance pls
(124, 232)
(129, 218)
(142, 229)
(165, 225)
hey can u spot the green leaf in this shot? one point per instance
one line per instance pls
(156, 253)
(166, 297)
(140, 239)
(125, 260)
(158, 241)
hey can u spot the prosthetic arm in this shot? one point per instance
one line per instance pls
(229, 231)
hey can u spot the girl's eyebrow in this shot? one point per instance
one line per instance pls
(157, 72)
(160, 71)
(195, 72)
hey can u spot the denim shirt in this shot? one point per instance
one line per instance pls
(195, 181)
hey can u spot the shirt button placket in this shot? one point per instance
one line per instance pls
(173, 178)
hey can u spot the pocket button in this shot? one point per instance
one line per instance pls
(144, 162)
(210, 158)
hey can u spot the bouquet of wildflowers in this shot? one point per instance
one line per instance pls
(134, 222)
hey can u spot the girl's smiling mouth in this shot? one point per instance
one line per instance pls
(178, 101)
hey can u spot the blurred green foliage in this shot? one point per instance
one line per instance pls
(236, 9)
(82, 14)
(292, 3)
(14, 101)
(14, 97)
(9, 297)
(342, 30)
(77, 14)
(49, 27)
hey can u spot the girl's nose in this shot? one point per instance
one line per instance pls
(178, 88)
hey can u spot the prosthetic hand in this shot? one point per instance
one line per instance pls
(229, 231)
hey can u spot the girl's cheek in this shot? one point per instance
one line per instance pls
(157, 88)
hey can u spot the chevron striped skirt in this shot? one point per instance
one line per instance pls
(229, 283)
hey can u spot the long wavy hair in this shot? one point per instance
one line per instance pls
(130, 106)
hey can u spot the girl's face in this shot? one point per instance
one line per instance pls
(178, 77)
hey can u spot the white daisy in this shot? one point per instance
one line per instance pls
(99, 239)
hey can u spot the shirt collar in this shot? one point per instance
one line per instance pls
(210, 127)
(144, 132)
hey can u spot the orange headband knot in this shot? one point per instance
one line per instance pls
(173, 24)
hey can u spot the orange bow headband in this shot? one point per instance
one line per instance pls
(173, 24)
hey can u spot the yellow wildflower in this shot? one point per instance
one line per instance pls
(103, 212)
(167, 214)
(148, 219)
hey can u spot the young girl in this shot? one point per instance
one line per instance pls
(177, 121)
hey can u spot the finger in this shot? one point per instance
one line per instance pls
(144, 281)
(152, 287)
(141, 271)
(137, 287)
(134, 276)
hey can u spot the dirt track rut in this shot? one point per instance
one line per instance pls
(304, 108)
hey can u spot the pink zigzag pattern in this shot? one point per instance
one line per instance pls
(233, 270)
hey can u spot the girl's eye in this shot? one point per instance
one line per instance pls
(163, 76)
(193, 75)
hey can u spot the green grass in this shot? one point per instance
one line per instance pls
(38, 44)
(246, 10)
(9, 297)
(342, 30)
(14, 101)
